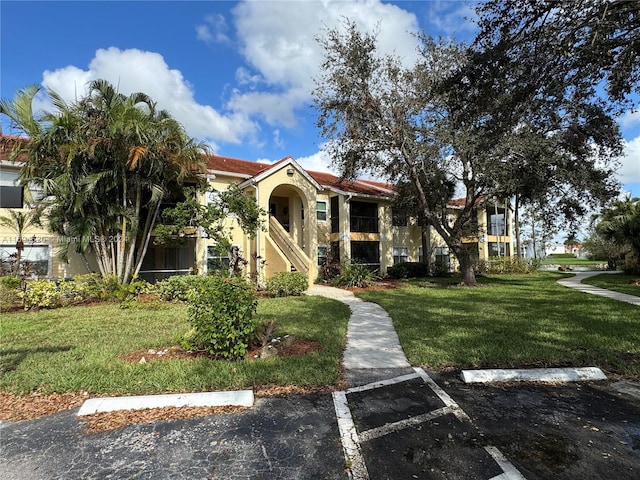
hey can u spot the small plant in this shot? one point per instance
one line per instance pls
(408, 270)
(222, 313)
(286, 284)
(331, 267)
(40, 294)
(354, 275)
(265, 333)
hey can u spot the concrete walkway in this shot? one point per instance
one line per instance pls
(576, 282)
(373, 350)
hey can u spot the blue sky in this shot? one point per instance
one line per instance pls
(236, 74)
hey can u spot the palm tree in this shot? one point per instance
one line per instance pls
(620, 222)
(108, 160)
(19, 222)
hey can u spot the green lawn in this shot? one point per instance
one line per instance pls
(617, 282)
(573, 261)
(512, 321)
(78, 348)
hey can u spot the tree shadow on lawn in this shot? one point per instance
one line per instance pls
(11, 358)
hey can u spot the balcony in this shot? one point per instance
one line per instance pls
(364, 224)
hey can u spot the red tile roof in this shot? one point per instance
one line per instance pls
(6, 145)
(358, 187)
(247, 168)
(234, 165)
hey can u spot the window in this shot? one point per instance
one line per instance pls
(442, 256)
(364, 217)
(322, 255)
(420, 255)
(498, 249)
(367, 253)
(496, 221)
(11, 197)
(34, 260)
(11, 194)
(400, 255)
(321, 211)
(217, 259)
(335, 219)
(399, 218)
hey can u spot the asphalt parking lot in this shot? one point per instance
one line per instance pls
(405, 429)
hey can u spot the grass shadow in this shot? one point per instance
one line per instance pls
(11, 358)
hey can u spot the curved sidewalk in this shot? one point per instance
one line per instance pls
(576, 283)
(373, 349)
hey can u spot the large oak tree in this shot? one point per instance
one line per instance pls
(459, 117)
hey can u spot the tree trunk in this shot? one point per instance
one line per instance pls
(146, 237)
(133, 234)
(86, 262)
(466, 267)
(426, 247)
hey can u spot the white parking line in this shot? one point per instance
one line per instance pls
(444, 396)
(351, 440)
(407, 422)
(382, 383)
(510, 472)
(350, 443)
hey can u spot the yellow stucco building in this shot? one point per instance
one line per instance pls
(312, 215)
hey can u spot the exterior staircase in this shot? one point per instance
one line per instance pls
(291, 251)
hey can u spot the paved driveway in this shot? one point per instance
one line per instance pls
(403, 430)
(279, 438)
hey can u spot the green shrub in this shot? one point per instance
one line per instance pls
(408, 270)
(10, 281)
(631, 266)
(507, 265)
(9, 291)
(92, 286)
(440, 269)
(40, 294)
(177, 288)
(562, 255)
(286, 284)
(354, 275)
(222, 313)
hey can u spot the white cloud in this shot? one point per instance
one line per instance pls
(317, 162)
(630, 119)
(277, 139)
(214, 30)
(244, 77)
(630, 170)
(452, 18)
(135, 70)
(279, 44)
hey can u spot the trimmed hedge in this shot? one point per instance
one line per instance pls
(408, 270)
(286, 284)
